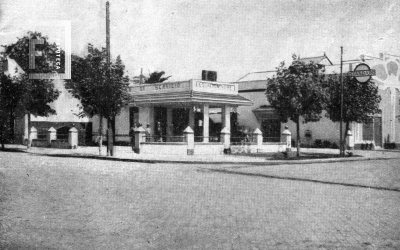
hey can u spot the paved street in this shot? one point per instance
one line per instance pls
(50, 202)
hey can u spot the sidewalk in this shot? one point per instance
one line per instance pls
(126, 154)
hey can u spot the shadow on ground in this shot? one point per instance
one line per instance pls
(225, 171)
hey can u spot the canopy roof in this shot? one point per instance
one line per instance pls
(188, 92)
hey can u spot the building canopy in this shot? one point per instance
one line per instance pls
(187, 92)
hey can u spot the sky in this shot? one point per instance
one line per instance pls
(232, 37)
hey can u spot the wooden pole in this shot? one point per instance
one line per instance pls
(110, 119)
(341, 101)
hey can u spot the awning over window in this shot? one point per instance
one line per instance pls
(266, 112)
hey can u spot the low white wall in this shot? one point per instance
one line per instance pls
(253, 148)
(170, 148)
(208, 149)
(163, 148)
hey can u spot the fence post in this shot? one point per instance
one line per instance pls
(259, 139)
(350, 140)
(189, 135)
(33, 135)
(73, 138)
(226, 139)
(287, 138)
(140, 136)
(51, 135)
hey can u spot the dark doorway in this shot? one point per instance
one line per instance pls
(180, 120)
(373, 131)
(160, 126)
(133, 116)
(271, 129)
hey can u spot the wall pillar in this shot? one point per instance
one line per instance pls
(33, 132)
(189, 135)
(287, 138)
(206, 123)
(51, 135)
(226, 139)
(169, 124)
(140, 136)
(73, 138)
(259, 139)
(350, 140)
(226, 117)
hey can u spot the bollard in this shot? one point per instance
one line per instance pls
(189, 135)
(73, 138)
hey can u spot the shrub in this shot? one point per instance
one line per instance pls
(318, 143)
(335, 146)
(326, 144)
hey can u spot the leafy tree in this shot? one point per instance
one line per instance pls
(360, 101)
(101, 88)
(21, 94)
(156, 77)
(297, 91)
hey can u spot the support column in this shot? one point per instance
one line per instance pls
(206, 123)
(191, 117)
(226, 117)
(169, 124)
(151, 120)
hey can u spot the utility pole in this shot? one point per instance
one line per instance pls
(110, 119)
(341, 102)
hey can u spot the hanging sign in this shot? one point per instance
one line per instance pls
(362, 73)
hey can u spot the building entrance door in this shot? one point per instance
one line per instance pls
(373, 131)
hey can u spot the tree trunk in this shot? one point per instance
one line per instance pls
(298, 136)
(2, 136)
(29, 131)
(100, 134)
(110, 137)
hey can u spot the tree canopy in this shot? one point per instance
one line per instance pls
(156, 77)
(360, 100)
(101, 88)
(98, 94)
(21, 95)
(297, 91)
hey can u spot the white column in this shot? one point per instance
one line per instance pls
(226, 117)
(169, 123)
(206, 123)
(26, 128)
(151, 120)
(191, 117)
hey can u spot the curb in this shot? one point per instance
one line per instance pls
(253, 163)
